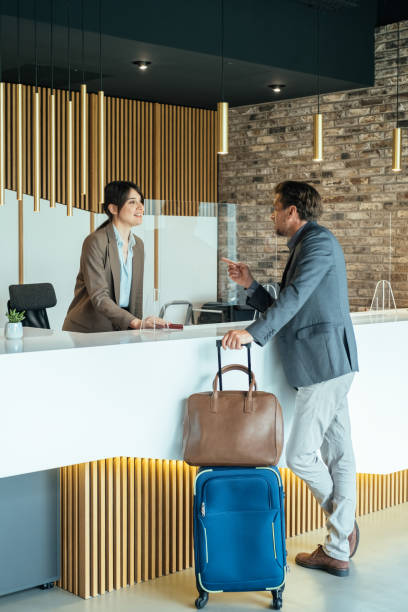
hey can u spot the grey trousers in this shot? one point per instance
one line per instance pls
(321, 423)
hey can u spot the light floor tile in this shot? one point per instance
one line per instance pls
(378, 582)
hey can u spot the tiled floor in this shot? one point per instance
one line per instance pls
(378, 582)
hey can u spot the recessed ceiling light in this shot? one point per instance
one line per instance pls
(276, 87)
(142, 64)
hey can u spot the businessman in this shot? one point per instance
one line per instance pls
(311, 322)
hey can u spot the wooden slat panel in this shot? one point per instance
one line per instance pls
(145, 520)
(109, 537)
(84, 518)
(117, 540)
(180, 515)
(131, 520)
(102, 526)
(70, 512)
(9, 133)
(138, 519)
(193, 474)
(166, 517)
(186, 518)
(152, 519)
(159, 517)
(124, 520)
(77, 150)
(173, 516)
(94, 580)
(27, 141)
(65, 512)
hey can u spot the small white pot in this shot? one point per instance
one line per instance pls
(13, 330)
(14, 346)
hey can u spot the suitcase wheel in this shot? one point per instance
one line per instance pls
(201, 600)
(277, 599)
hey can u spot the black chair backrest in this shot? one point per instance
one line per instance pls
(34, 299)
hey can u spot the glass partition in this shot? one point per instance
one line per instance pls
(180, 258)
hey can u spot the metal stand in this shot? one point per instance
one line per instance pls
(383, 298)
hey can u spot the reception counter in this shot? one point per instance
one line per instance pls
(108, 409)
(70, 398)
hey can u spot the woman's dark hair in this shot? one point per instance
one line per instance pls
(305, 197)
(117, 193)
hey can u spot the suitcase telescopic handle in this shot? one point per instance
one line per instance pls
(248, 348)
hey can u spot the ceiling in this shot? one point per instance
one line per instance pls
(265, 41)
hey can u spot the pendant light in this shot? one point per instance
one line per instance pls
(70, 149)
(318, 117)
(396, 134)
(19, 114)
(222, 107)
(84, 116)
(2, 111)
(51, 100)
(36, 118)
(101, 116)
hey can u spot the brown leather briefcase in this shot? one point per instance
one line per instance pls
(242, 428)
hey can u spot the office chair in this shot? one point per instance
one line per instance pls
(189, 312)
(34, 299)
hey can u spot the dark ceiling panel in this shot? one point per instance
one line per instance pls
(391, 11)
(330, 5)
(266, 41)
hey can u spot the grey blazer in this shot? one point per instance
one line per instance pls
(95, 307)
(311, 317)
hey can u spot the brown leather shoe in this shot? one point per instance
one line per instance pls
(354, 539)
(319, 560)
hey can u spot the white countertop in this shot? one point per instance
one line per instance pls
(50, 340)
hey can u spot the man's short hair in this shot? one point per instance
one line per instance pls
(305, 197)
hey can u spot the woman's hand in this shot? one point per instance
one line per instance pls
(154, 323)
(135, 323)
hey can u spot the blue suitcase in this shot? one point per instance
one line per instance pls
(239, 532)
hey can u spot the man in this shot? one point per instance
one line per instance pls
(315, 338)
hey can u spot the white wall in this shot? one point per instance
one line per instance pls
(52, 248)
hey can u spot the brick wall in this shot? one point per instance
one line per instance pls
(273, 141)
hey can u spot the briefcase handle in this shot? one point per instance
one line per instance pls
(230, 368)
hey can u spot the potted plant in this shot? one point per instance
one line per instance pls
(14, 327)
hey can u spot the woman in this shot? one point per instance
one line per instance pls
(109, 287)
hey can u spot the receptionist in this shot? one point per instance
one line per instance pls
(108, 294)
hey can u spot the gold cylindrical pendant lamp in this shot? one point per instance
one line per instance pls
(101, 156)
(318, 137)
(222, 128)
(396, 150)
(36, 151)
(19, 142)
(84, 140)
(70, 161)
(2, 146)
(52, 160)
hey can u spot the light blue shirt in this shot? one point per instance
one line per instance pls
(125, 268)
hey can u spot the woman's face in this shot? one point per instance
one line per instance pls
(131, 213)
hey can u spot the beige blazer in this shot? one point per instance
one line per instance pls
(95, 307)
